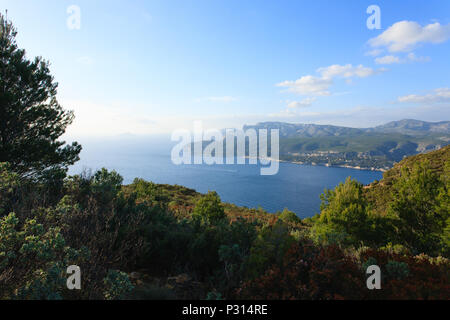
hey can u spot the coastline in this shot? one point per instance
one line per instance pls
(339, 166)
(322, 165)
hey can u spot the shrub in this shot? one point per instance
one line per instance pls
(289, 216)
(209, 209)
(117, 284)
(33, 259)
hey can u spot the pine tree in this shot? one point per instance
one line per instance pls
(31, 119)
(419, 203)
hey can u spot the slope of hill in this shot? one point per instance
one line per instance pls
(377, 148)
(413, 127)
(289, 130)
(379, 193)
(406, 127)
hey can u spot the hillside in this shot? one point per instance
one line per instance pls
(371, 148)
(289, 130)
(379, 193)
(405, 127)
(413, 127)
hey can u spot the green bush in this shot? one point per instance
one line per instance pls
(33, 259)
(209, 209)
(289, 216)
(117, 284)
(344, 212)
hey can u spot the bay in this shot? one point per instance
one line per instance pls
(296, 187)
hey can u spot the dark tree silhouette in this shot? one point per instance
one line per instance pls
(31, 119)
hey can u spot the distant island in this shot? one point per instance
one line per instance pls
(377, 148)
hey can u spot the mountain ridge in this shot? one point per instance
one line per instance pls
(376, 148)
(404, 126)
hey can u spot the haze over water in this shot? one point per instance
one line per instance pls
(296, 187)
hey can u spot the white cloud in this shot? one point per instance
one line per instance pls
(308, 85)
(438, 95)
(388, 60)
(346, 71)
(374, 52)
(411, 57)
(404, 36)
(365, 116)
(300, 104)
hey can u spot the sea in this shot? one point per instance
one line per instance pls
(295, 187)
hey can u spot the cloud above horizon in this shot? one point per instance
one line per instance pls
(391, 59)
(346, 71)
(405, 36)
(311, 85)
(437, 96)
(365, 116)
(308, 85)
(301, 104)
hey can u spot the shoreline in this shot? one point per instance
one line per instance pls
(322, 165)
(339, 166)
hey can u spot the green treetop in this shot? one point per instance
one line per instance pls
(31, 119)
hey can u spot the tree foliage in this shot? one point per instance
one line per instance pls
(421, 202)
(343, 215)
(31, 119)
(209, 208)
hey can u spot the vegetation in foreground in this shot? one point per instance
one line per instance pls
(149, 241)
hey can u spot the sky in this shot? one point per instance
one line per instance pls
(144, 67)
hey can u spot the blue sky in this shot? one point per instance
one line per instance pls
(145, 67)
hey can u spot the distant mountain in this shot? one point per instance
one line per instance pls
(407, 127)
(306, 130)
(376, 148)
(413, 127)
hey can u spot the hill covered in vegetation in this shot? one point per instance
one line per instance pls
(373, 148)
(150, 241)
(406, 127)
(380, 193)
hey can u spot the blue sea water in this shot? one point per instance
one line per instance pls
(296, 187)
